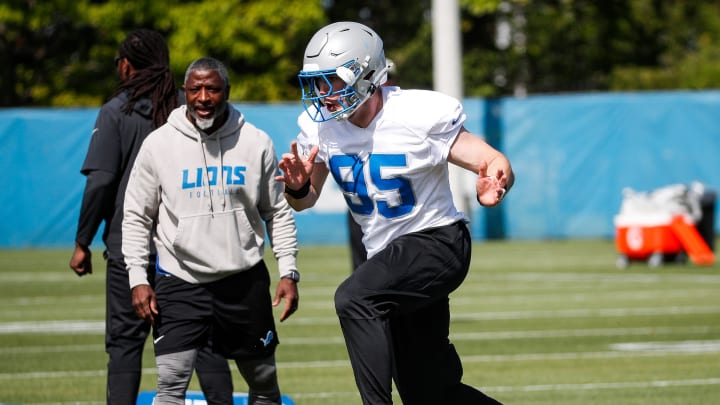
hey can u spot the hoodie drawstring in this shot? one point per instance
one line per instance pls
(221, 174)
(207, 172)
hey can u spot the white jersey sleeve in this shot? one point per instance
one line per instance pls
(438, 115)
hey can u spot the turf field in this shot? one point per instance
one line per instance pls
(535, 322)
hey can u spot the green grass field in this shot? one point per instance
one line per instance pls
(535, 323)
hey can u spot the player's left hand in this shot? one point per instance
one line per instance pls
(287, 289)
(490, 189)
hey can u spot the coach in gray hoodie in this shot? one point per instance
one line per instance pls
(203, 189)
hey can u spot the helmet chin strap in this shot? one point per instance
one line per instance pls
(364, 88)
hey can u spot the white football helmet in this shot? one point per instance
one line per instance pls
(351, 51)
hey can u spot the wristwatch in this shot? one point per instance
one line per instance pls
(293, 275)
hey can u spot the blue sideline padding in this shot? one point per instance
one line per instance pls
(573, 154)
(197, 398)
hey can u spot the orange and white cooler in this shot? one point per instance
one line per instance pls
(651, 226)
(652, 236)
(645, 237)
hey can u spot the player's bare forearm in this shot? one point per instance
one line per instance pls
(474, 154)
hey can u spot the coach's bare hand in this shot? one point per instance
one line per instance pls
(81, 260)
(144, 303)
(287, 289)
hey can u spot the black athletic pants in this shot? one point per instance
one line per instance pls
(358, 254)
(125, 337)
(395, 316)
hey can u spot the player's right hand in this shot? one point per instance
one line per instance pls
(296, 169)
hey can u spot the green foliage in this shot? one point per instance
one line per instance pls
(586, 45)
(690, 56)
(405, 29)
(260, 41)
(59, 53)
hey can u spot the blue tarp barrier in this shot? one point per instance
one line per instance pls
(572, 154)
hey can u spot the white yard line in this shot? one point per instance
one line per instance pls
(51, 349)
(53, 327)
(702, 348)
(76, 326)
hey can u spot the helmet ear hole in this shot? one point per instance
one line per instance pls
(346, 75)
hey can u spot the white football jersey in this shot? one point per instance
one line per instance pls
(394, 173)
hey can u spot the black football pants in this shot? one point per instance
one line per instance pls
(125, 338)
(395, 316)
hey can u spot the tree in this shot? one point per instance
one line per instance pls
(587, 45)
(44, 47)
(261, 41)
(61, 52)
(405, 29)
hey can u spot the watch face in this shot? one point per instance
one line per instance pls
(293, 275)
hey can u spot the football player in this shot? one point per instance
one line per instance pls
(388, 150)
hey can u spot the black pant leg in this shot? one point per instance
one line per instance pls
(358, 253)
(410, 275)
(425, 360)
(124, 338)
(213, 373)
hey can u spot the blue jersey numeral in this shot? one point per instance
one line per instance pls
(357, 186)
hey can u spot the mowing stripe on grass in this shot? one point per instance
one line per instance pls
(584, 278)
(701, 350)
(586, 313)
(99, 326)
(51, 349)
(525, 388)
(550, 387)
(637, 349)
(73, 327)
(606, 385)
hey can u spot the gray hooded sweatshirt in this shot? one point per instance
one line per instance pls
(206, 201)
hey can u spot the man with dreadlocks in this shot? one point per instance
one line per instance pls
(142, 102)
